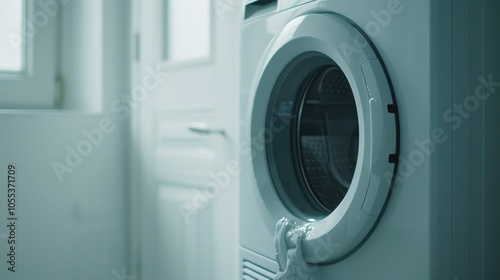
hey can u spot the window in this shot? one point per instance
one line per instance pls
(28, 37)
(187, 30)
(11, 27)
(51, 54)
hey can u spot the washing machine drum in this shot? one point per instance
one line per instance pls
(324, 110)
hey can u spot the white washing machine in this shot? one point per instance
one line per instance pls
(372, 124)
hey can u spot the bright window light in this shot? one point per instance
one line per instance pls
(188, 29)
(11, 34)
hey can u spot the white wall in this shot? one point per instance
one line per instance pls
(80, 63)
(77, 228)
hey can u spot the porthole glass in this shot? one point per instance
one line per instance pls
(328, 136)
(315, 135)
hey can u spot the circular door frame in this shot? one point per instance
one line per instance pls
(345, 229)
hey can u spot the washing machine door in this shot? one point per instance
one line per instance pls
(324, 113)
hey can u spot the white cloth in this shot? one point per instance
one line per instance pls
(288, 247)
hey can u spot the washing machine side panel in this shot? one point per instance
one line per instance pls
(492, 135)
(485, 149)
(442, 165)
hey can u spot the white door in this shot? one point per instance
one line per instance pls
(185, 123)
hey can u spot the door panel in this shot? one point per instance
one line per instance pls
(185, 134)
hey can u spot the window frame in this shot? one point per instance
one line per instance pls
(168, 64)
(27, 45)
(35, 86)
